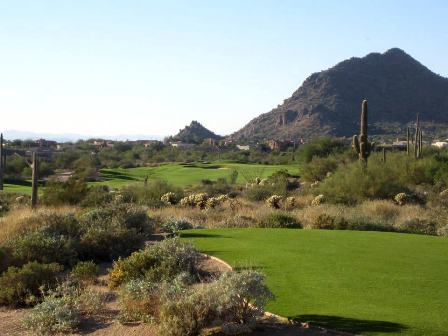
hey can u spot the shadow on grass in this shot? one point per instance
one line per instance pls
(201, 235)
(18, 182)
(350, 325)
(109, 175)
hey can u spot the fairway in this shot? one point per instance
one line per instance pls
(177, 174)
(182, 175)
(361, 282)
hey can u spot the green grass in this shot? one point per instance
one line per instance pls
(182, 175)
(179, 175)
(22, 188)
(360, 282)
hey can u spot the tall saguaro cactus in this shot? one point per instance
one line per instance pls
(418, 139)
(35, 180)
(360, 143)
(1, 161)
(408, 138)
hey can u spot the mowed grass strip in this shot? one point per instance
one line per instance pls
(182, 175)
(360, 282)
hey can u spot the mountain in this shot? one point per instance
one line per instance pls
(396, 86)
(194, 133)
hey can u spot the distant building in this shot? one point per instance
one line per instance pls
(243, 147)
(145, 143)
(440, 144)
(179, 144)
(42, 143)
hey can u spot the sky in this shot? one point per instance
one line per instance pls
(114, 67)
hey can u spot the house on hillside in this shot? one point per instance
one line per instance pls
(243, 147)
(440, 144)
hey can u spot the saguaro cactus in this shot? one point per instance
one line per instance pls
(35, 180)
(1, 161)
(418, 139)
(360, 143)
(408, 145)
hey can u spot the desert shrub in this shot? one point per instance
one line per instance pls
(274, 201)
(113, 231)
(418, 226)
(381, 210)
(324, 222)
(443, 231)
(318, 168)
(169, 198)
(243, 296)
(195, 200)
(54, 315)
(352, 183)
(85, 271)
(22, 286)
(139, 301)
(187, 313)
(279, 220)
(174, 225)
(320, 147)
(62, 309)
(6, 258)
(234, 297)
(71, 192)
(290, 202)
(318, 200)
(97, 196)
(259, 193)
(43, 247)
(151, 194)
(401, 198)
(162, 261)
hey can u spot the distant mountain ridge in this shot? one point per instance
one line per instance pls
(328, 102)
(72, 137)
(194, 133)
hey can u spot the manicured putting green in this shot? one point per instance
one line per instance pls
(372, 283)
(182, 175)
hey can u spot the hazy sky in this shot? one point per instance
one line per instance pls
(150, 67)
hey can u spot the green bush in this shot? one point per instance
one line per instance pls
(97, 196)
(418, 226)
(259, 193)
(43, 247)
(71, 192)
(353, 184)
(85, 271)
(151, 194)
(163, 261)
(113, 231)
(318, 168)
(23, 286)
(280, 220)
(320, 147)
(6, 259)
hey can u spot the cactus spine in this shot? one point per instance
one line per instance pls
(1, 161)
(360, 143)
(35, 180)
